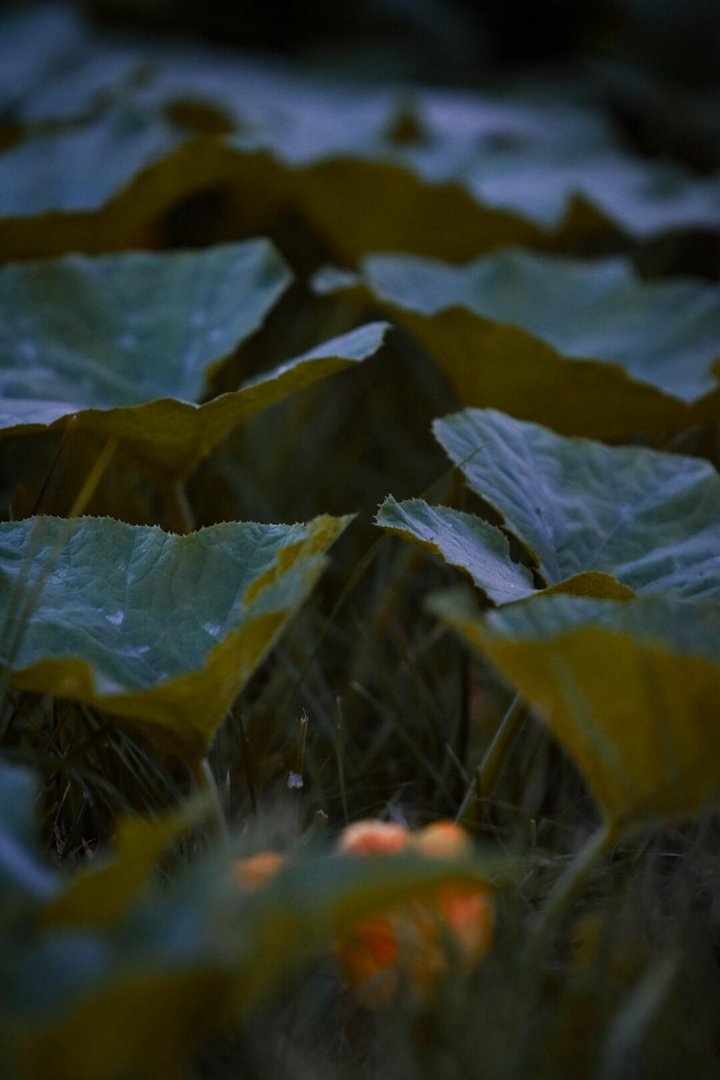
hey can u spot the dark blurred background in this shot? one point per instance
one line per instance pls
(653, 63)
(678, 40)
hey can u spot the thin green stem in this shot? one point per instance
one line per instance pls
(70, 430)
(494, 758)
(248, 763)
(178, 512)
(207, 787)
(340, 757)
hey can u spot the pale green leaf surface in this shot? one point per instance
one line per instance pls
(53, 67)
(463, 540)
(665, 333)
(172, 436)
(631, 690)
(161, 630)
(99, 186)
(493, 170)
(642, 199)
(82, 168)
(582, 346)
(647, 518)
(141, 325)
(31, 44)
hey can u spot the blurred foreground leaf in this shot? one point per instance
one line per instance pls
(21, 870)
(129, 985)
(99, 893)
(161, 631)
(631, 690)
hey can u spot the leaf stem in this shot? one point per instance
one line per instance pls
(494, 758)
(93, 478)
(248, 763)
(178, 512)
(207, 787)
(340, 757)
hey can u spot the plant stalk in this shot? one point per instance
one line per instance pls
(494, 758)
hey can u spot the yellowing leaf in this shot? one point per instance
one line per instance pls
(493, 169)
(98, 894)
(631, 691)
(159, 630)
(133, 371)
(585, 347)
(596, 521)
(142, 1026)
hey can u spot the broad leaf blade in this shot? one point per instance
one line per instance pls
(463, 540)
(141, 325)
(631, 690)
(170, 436)
(647, 518)
(133, 371)
(585, 347)
(664, 333)
(160, 630)
(499, 171)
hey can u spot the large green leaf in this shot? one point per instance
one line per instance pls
(493, 169)
(463, 540)
(123, 329)
(648, 518)
(595, 520)
(174, 435)
(159, 630)
(584, 346)
(630, 689)
(139, 166)
(133, 371)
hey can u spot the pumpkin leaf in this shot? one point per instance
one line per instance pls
(630, 690)
(132, 371)
(494, 170)
(113, 347)
(595, 521)
(463, 540)
(646, 518)
(160, 631)
(585, 347)
(156, 165)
